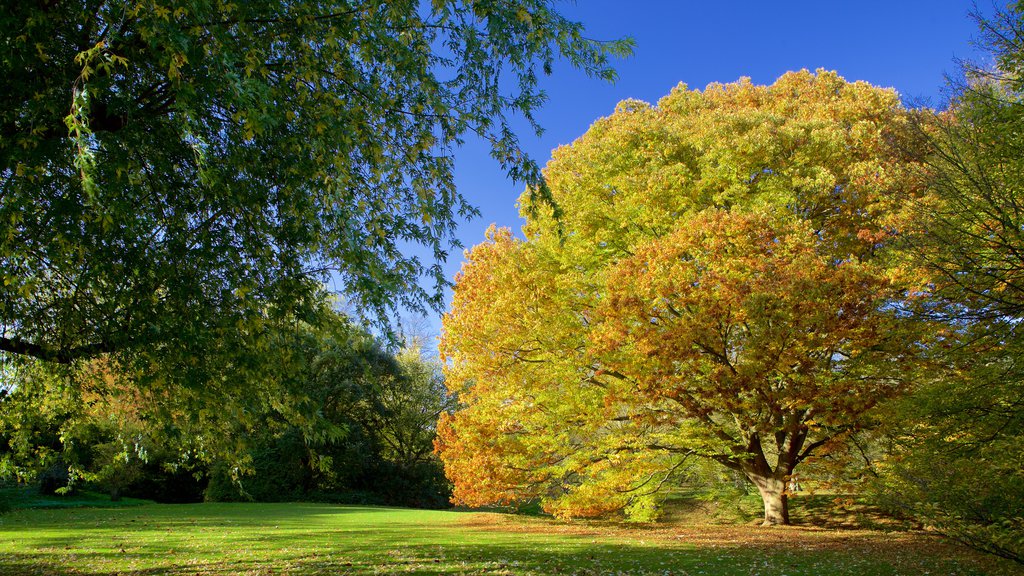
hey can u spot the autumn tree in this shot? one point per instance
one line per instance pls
(718, 285)
(173, 170)
(517, 353)
(742, 329)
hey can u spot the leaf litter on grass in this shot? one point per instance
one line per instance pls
(306, 539)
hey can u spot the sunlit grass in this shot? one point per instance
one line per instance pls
(324, 539)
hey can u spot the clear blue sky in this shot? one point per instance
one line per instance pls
(908, 45)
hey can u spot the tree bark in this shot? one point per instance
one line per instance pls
(776, 503)
(769, 480)
(50, 354)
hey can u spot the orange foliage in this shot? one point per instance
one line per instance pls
(719, 285)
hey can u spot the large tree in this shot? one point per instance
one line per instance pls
(172, 170)
(718, 285)
(742, 328)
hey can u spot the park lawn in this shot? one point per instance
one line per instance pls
(268, 539)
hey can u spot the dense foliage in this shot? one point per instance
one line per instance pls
(959, 458)
(174, 170)
(180, 180)
(358, 424)
(719, 285)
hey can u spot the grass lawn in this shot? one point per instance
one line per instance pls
(228, 539)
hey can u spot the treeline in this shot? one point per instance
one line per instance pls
(330, 414)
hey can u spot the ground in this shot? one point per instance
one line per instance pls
(260, 539)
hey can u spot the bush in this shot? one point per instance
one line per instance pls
(6, 500)
(222, 488)
(415, 485)
(177, 486)
(55, 479)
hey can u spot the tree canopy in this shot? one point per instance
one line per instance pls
(958, 462)
(171, 171)
(719, 284)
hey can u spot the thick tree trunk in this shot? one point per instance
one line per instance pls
(771, 480)
(776, 503)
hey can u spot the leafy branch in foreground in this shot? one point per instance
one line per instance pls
(171, 170)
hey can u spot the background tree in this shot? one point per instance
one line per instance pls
(30, 442)
(410, 406)
(958, 463)
(552, 340)
(91, 426)
(347, 420)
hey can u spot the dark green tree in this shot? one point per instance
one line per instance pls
(64, 427)
(359, 423)
(958, 464)
(174, 170)
(32, 412)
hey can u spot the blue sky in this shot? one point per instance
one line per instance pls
(909, 45)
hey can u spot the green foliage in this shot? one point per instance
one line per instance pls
(179, 178)
(221, 487)
(31, 417)
(350, 416)
(409, 407)
(63, 427)
(958, 464)
(958, 460)
(116, 468)
(280, 472)
(643, 509)
(382, 407)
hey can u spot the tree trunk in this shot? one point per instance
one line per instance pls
(776, 504)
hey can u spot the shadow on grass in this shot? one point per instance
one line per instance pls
(813, 510)
(210, 515)
(841, 512)
(315, 539)
(26, 497)
(420, 559)
(370, 552)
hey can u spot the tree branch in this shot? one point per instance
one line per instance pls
(58, 355)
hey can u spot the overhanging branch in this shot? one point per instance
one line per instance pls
(51, 354)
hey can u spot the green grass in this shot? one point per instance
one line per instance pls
(225, 539)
